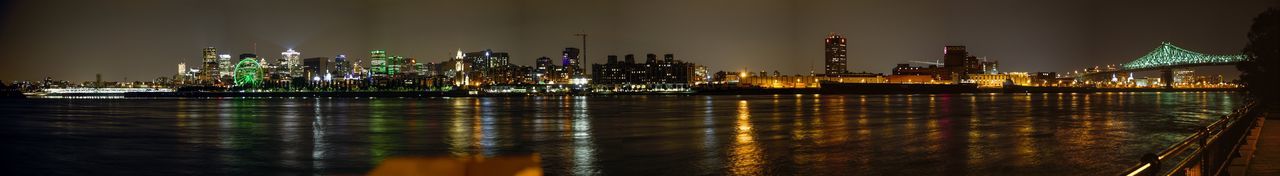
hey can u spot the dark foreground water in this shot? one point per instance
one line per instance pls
(961, 134)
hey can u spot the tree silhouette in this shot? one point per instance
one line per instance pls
(1261, 72)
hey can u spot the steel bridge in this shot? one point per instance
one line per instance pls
(1165, 58)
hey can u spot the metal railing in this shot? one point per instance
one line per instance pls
(1207, 152)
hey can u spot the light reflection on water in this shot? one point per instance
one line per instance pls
(1002, 134)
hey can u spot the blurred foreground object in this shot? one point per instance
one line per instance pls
(520, 165)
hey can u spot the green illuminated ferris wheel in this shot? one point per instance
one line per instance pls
(248, 73)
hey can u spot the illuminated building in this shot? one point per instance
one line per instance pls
(426, 69)
(182, 71)
(395, 65)
(723, 77)
(1183, 76)
(980, 65)
(280, 70)
(612, 72)
(836, 58)
(570, 59)
(953, 59)
(809, 81)
(342, 67)
(907, 74)
(378, 63)
(486, 60)
(408, 66)
(547, 72)
(1052, 79)
(543, 63)
(1000, 80)
(988, 67)
(907, 69)
(667, 74)
(225, 68)
(291, 63)
(914, 79)
(209, 71)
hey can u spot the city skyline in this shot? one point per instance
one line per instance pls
(769, 35)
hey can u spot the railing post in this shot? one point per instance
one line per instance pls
(1204, 150)
(1154, 161)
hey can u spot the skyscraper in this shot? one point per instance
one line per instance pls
(292, 63)
(836, 61)
(486, 60)
(378, 62)
(342, 67)
(395, 65)
(225, 67)
(210, 69)
(571, 61)
(182, 71)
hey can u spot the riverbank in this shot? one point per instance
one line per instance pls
(743, 91)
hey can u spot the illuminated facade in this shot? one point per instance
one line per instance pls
(836, 58)
(225, 68)
(378, 63)
(182, 72)
(1000, 80)
(547, 72)
(571, 62)
(915, 79)
(292, 63)
(209, 72)
(342, 67)
(487, 60)
(667, 73)
(807, 81)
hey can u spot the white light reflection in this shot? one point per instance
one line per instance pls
(584, 150)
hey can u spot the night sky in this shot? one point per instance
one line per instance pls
(146, 39)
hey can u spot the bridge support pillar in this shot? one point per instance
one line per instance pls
(1166, 78)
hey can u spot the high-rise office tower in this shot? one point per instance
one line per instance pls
(395, 65)
(342, 67)
(378, 62)
(292, 64)
(571, 61)
(836, 60)
(210, 68)
(225, 67)
(486, 60)
(182, 71)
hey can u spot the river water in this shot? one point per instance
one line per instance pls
(943, 134)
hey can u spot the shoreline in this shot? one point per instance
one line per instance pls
(425, 94)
